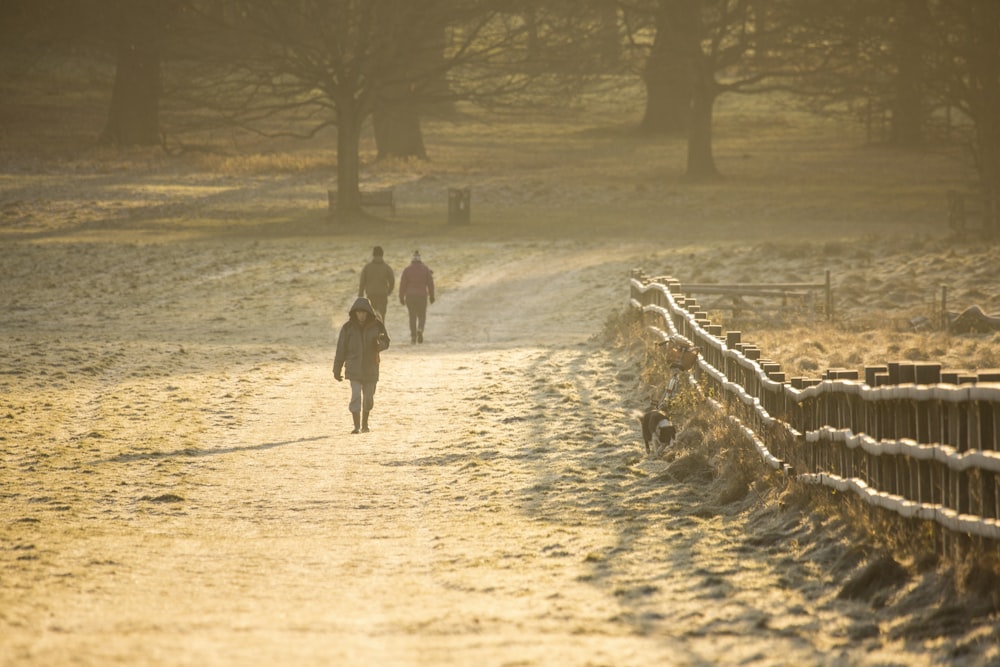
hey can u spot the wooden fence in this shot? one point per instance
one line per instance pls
(909, 438)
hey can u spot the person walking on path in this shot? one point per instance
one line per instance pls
(377, 281)
(416, 288)
(361, 340)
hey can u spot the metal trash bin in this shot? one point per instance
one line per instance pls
(459, 206)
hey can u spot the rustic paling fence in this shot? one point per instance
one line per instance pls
(909, 438)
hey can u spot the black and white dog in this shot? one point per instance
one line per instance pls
(658, 432)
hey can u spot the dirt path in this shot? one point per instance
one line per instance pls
(179, 487)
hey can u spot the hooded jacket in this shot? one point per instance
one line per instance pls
(359, 345)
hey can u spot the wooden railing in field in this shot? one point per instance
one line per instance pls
(906, 438)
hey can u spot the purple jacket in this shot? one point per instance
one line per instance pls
(417, 280)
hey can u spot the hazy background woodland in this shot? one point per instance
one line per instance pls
(188, 74)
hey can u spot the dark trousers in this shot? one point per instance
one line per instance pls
(417, 306)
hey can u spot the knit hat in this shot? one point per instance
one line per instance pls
(416, 255)
(377, 251)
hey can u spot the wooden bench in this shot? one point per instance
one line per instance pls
(966, 207)
(386, 198)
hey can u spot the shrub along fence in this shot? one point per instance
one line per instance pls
(913, 439)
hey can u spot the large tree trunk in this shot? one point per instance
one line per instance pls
(700, 160)
(668, 81)
(687, 29)
(399, 107)
(986, 95)
(348, 165)
(908, 104)
(397, 128)
(134, 114)
(988, 149)
(609, 36)
(530, 18)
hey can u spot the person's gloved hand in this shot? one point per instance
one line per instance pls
(338, 377)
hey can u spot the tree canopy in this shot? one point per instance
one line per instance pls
(300, 66)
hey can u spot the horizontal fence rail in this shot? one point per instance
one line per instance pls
(927, 451)
(783, 291)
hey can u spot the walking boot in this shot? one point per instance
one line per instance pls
(413, 337)
(357, 422)
(420, 335)
(364, 421)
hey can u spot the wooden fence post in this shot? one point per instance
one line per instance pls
(829, 298)
(945, 322)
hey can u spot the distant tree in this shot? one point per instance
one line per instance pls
(609, 31)
(965, 75)
(703, 44)
(667, 76)
(400, 107)
(909, 104)
(130, 31)
(33, 30)
(396, 120)
(26, 33)
(699, 50)
(137, 29)
(566, 41)
(830, 53)
(906, 59)
(572, 35)
(868, 58)
(712, 41)
(313, 64)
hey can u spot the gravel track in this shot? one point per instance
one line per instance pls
(180, 488)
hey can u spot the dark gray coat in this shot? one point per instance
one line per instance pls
(359, 345)
(377, 279)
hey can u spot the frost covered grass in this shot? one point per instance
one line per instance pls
(170, 413)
